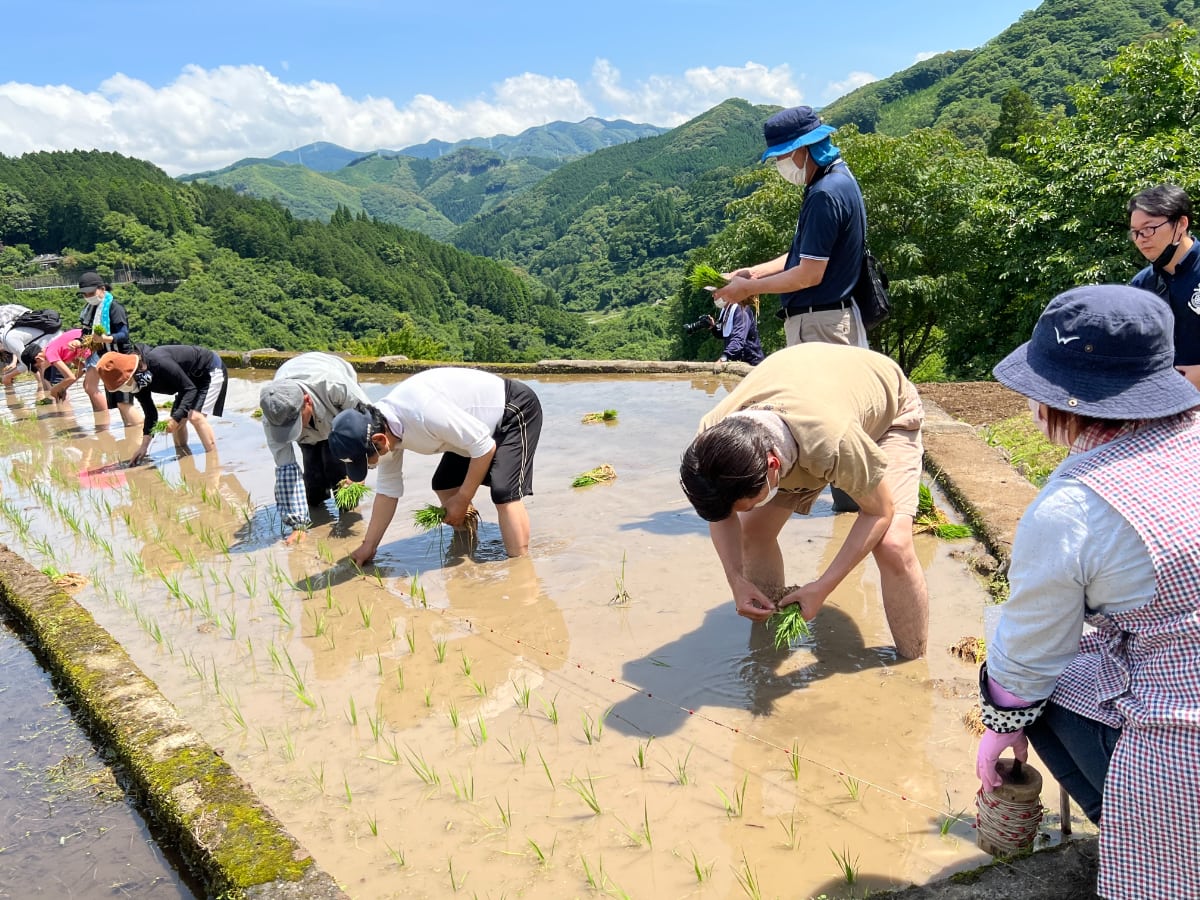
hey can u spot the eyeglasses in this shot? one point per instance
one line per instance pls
(1148, 231)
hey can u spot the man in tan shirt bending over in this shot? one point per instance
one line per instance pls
(807, 416)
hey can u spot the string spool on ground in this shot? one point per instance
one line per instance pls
(1007, 819)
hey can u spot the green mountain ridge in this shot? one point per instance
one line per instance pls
(1059, 44)
(613, 229)
(431, 193)
(555, 140)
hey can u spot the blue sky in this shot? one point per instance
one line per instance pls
(194, 86)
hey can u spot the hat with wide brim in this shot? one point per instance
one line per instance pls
(792, 129)
(1106, 351)
(282, 403)
(115, 369)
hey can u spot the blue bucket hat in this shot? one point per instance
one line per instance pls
(1105, 351)
(792, 129)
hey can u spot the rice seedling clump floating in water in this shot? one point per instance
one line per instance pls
(599, 475)
(608, 415)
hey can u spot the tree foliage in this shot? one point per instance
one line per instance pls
(1045, 53)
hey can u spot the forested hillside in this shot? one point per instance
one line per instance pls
(432, 196)
(431, 187)
(613, 229)
(1049, 49)
(250, 274)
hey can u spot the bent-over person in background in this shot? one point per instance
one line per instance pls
(299, 406)
(195, 375)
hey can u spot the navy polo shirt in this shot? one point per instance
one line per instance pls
(1182, 292)
(831, 227)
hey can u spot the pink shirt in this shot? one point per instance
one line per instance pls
(57, 350)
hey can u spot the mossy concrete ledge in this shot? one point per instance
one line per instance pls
(233, 842)
(271, 360)
(981, 483)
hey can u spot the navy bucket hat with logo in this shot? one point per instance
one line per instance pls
(792, 129)
(1105, 351)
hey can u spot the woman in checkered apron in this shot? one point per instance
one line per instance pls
(1113, 541)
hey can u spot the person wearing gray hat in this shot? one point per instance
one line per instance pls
(1112, 712)
(298, 407)
(816, 276)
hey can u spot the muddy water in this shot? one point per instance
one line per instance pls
(66, 829)
(449, 720)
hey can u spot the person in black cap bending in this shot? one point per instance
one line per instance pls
(815, 278)
(485, 427)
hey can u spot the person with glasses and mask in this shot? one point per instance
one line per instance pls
(816, 276)
(807, 416)
(1159, 218)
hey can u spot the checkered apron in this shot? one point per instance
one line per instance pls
(1140, 670)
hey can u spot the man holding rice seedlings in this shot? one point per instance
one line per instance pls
(806, 417)
(815, 278)
(299, 406)
(486, 428)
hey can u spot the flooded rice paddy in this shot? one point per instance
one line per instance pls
(594, 718)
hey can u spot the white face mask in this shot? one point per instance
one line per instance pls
(789, 171)
(719, 304)
(95, 299)
(129, 387)
(771, 492)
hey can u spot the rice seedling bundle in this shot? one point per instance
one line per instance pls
(931, 519)
(429, 517)
(599, 475)
(705, 276)
(608, 415)
(160, 427)
(350, 494)
(788, 624)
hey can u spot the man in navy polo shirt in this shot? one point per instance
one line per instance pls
(816, 277)
(1159, 218)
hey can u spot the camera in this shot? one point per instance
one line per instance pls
(704, 323)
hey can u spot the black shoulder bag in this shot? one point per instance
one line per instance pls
(870, 292)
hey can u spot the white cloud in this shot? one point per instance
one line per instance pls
(208, 118)
(926, 54)
(851, 82)
(671, 100)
